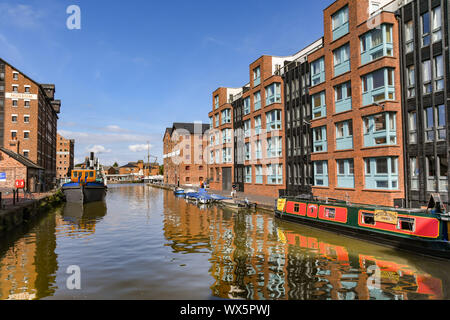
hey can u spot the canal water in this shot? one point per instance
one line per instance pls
(144, 243)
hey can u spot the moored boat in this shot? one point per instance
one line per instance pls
(423, 231)
(87, 185)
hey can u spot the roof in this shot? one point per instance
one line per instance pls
(22, 159)
(129, 165)
(190, 127)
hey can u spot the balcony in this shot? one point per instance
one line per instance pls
(343, 105)
(340, 31)
(342, 68)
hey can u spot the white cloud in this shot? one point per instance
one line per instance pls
(21, 15)
(98, 149)
(139, 147)
(114, 128)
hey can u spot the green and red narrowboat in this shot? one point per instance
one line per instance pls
(424, 231)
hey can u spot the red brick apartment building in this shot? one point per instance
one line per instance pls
(356, 105)
(29, 115)
(64, 157)
(184, 148)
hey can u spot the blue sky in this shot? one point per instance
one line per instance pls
(137, 66)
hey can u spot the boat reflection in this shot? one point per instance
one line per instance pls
(81, 219)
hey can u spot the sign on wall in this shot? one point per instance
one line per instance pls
(2, 176)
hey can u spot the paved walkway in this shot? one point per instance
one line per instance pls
(7, 201)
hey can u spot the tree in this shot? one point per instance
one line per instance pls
(115, 165)
(161, 170)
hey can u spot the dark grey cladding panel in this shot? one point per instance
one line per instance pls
(435, 3)
(423, 4)
(437, 48)
(427, 101)
(439, 98)
(425, 53)
(409, 60)
(408, 12)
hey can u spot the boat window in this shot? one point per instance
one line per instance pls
(330, 213)
(75, 174)
(91, 174)
(368, 218)
(296, 207)
(406, 224)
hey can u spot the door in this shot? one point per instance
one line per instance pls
(226, 179)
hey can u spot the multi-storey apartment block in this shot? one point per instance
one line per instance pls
(357, 152)
(64, 156)
(424, 32)
(29, 115)
(184, 149)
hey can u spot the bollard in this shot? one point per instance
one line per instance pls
(1, 201)
(14, 197)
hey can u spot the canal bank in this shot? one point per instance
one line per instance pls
(262, 202)
(24, 210)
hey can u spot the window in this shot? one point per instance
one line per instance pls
(437, 24)
(256, 76)
(216, 102)
(13, 135)
(318, 105)
(273, 93)
(344, 135)
(320, 139)
(378, 86)
(343, 97)
(257, 100)
(426, 76)
(15, 76)
(435, 123)
(275, 174)
(14, 118)
(26, 119)
(318, 71)
(273, 120)
(226, 116)
(247, 128)
(438, 73)
(411, 78)
(216, 116)
(406, 224)
(414, 173)
(248, 152)
(258, 174)
(258, 125)
(381, 173)
(27, 89)
(226, 155)
(339, 22)
(345, 173)
(380, 129)
(321, 173)
(412, 127)
(341, 60)
(409, 37)
(274, 147)
(258, 151)
(226, 136)
(425, 24)
(15, 88)
(26, 153)
(27, 103)
(248, 174)
(246, 106)
(368, 218)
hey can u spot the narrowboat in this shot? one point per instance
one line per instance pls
(87, 185)
(424, 231)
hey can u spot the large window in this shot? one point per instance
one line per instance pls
(321, 173)
(257, 100)
(319, 108)
(274, 147)
(438, 73)
(412, 127)
(273, 93)
(256, 76)
(411, 79)
(273, 120)
(320, 139)
(318, 71)
(247, 128)
(381, 173)
(436, 24)
(343, 97)
(248, 152)
(409, 36)
(435, 123)
(226, 116)
(380, 129)
(425, 25)
(339, 23)
(378, 86)
(376, 43)
(248, 174)
(341, 60)
(258, 174)
(345, 173)
(426, 77)
(258, 125)
(216, 102)
(275, 174)
(246, 106)
(344, 135)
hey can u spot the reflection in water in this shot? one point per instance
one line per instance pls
(255, 256)
(150, 245)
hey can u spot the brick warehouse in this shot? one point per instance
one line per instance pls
(30, 114)
(64, 156)
(184, 149)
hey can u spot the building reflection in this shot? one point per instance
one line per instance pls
(254, 256)
(28, 261)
